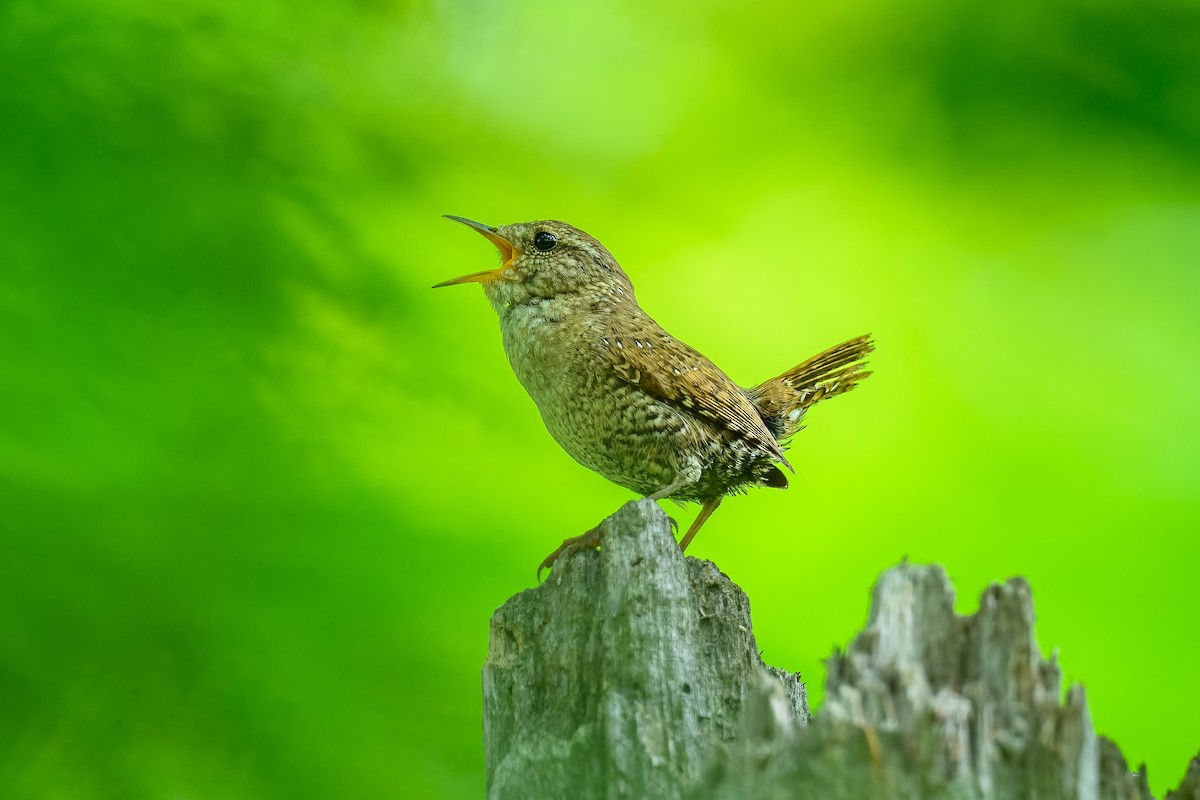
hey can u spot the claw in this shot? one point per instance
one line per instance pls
(674, 525)
(549, 560)
(584, 541)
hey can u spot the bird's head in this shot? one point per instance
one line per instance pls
(546, 259)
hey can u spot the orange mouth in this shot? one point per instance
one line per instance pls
(507, 252)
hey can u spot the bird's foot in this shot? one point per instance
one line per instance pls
(584, 541)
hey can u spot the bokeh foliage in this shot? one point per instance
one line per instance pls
(260, 488)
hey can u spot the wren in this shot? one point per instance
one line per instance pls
(627, 399)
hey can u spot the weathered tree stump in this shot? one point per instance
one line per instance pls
(633, 673)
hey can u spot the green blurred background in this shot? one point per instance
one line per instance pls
(261, 488)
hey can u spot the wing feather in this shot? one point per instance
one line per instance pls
(646, 356)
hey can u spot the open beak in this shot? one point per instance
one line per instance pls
(506, 248)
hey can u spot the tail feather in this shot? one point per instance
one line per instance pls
(783, 400)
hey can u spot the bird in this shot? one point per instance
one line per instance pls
(624, 397)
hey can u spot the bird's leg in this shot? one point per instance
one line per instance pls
(689, 474)
(705, 512)
(584, 541)
(667, 491)
(591, 539)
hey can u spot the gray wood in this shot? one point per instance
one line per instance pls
(632, 672)
(615, 676)
(1189, 789)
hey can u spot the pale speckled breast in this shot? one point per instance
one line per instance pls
(603, 422)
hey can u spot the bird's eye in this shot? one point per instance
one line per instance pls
(545, 241)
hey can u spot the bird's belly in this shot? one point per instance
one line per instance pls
(616, 430)
(604, 423)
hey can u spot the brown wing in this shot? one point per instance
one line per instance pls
(648, 357)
